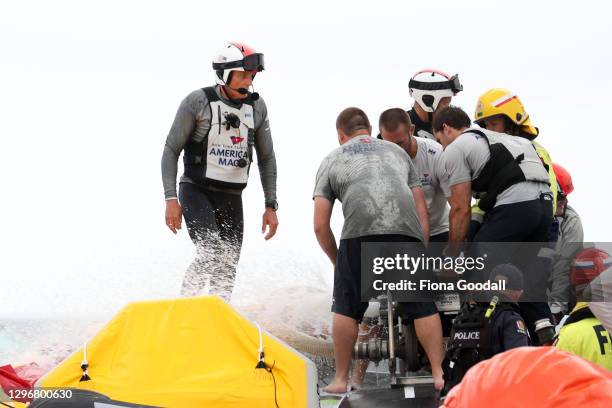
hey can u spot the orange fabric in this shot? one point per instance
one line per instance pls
(541, 377)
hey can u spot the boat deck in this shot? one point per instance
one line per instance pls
(416, 392)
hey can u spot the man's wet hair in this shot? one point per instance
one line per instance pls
(392, 118)
(352, 120)
(452, 116)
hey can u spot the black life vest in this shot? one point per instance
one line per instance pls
(513, 160)
(421, 129)
(224, 156)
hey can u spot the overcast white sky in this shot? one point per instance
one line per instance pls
(88, 91)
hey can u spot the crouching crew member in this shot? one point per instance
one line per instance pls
(369, 176)
(501, 110)
(508, 177)
(426, 154)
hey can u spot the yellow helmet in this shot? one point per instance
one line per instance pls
(499, 101)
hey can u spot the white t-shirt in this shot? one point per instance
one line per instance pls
(429, 165)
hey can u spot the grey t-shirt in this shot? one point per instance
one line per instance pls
(192, 122)
(429, 165)
(465, 158)
(372, 178)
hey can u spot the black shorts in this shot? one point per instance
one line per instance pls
(347, 281)
(441, 237)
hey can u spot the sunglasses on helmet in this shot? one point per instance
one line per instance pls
(253, 62)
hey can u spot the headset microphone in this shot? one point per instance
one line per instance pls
(252, 95)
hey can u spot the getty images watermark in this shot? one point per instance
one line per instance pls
(414, 273)
(404, 263)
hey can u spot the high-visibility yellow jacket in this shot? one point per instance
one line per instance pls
(587, 338)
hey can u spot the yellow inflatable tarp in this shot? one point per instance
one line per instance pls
(190, 352)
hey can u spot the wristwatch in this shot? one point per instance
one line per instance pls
(272, 204)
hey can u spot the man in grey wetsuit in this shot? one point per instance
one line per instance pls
(218, 128)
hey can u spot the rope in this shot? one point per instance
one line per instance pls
(84, 365)
(260, 351)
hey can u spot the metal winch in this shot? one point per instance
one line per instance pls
(396, 341)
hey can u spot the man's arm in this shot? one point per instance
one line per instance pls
(322, 228)
(460, 169)
(266, 162)
(266, 159)
(459, 217)
(414, 183)
(477, 218)
(440, 173)
(182, 128)
(421, 208)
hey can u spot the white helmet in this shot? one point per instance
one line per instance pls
(429, 86)
(236, 57)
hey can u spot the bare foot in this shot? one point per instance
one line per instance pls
(355, 385)
(337, 386)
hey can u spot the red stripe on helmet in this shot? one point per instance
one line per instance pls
(244, 49)
(505, 102)
(588, 264)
